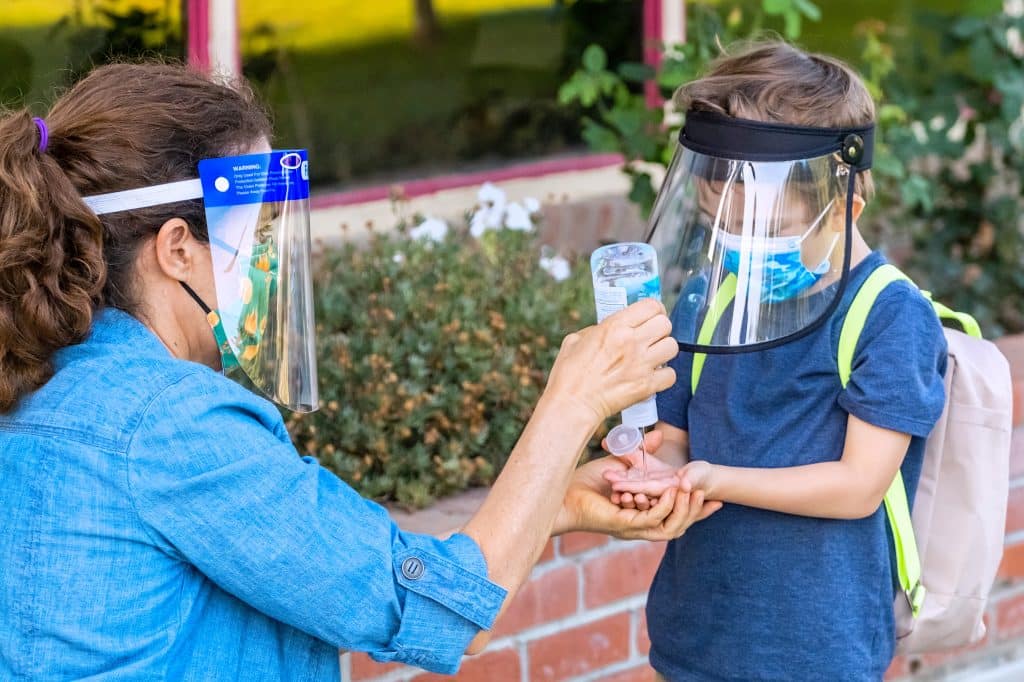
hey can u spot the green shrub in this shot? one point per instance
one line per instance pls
(960, 200)
(432, 356)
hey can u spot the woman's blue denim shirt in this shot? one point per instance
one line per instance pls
(159, 524)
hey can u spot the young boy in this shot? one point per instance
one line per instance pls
(793, 579)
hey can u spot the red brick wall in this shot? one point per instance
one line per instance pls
(581, 615)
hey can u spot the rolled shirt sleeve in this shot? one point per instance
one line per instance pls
(217, 483)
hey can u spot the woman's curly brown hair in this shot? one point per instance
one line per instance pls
(122, 127)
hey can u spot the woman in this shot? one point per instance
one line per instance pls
(160, 525)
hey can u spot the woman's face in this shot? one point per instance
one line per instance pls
(212, 259)
(175, 256)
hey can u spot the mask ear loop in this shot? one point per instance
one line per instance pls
(817, 220)
(195, 297)
(826, 264)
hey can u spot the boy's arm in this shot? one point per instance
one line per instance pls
(851, 488)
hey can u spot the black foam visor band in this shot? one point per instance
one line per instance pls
(714, 134)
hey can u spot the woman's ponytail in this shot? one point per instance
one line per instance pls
(52, 269)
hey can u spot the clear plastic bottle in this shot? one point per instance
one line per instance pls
(623, 274)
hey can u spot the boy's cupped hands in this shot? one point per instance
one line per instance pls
(630, 490)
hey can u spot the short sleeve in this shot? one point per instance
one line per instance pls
(674, 402)
(896, 381)
(218, 484)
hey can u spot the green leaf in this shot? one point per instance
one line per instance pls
(917, 191)
(594, 58)
(809, 9)
(885, 164)
(675, 72)
(642, 192)
(983, 57)
(891, 113)
(793, 22)
(589, 92)
(599, 138)
(968, 27)
(627, 121)
(635, 72)
(1011, 85)
(777, 6)
(569, 92)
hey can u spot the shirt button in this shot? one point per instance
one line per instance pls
(412, 568)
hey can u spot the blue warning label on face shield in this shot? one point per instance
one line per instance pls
(255, 178)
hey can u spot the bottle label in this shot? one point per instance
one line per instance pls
(649, 289)
(609, 300)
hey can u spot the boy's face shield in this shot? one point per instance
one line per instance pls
(257, 216)
(753, 251)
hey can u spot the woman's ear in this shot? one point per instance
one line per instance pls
(176, 249)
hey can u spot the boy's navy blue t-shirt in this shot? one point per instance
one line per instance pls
(751, 594)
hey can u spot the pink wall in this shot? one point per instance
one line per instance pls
(198, 21)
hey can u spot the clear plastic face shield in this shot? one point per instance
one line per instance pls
(257, 217)
(753, 229)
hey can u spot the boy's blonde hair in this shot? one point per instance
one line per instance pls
(775, 82)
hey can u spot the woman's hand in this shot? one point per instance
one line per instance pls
(617, 363)
(587, 506)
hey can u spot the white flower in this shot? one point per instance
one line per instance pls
(492, 204)
(398, 258)
(495, 212)
(1014, 41)
(937, 123)
(958, 130)
(478, 224)
(920, 134)
(556, 266)
(1016, 132)
(491, 194)
(1013, 8)
(433, 229)
(516, 218)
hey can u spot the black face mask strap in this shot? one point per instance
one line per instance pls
(195, 297)
(851, 187)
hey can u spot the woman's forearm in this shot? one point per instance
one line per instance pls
(515, 521)
(825, 490)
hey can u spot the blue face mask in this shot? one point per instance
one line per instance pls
(776, 261)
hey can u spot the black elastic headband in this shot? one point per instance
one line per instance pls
(726, 137)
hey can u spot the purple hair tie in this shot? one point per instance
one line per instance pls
(44, 134)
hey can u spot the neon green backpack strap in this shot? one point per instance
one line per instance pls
(908, 562)
(857, 315)
(721, 300)
(969, 325)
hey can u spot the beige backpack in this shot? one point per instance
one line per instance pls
(948, 551)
